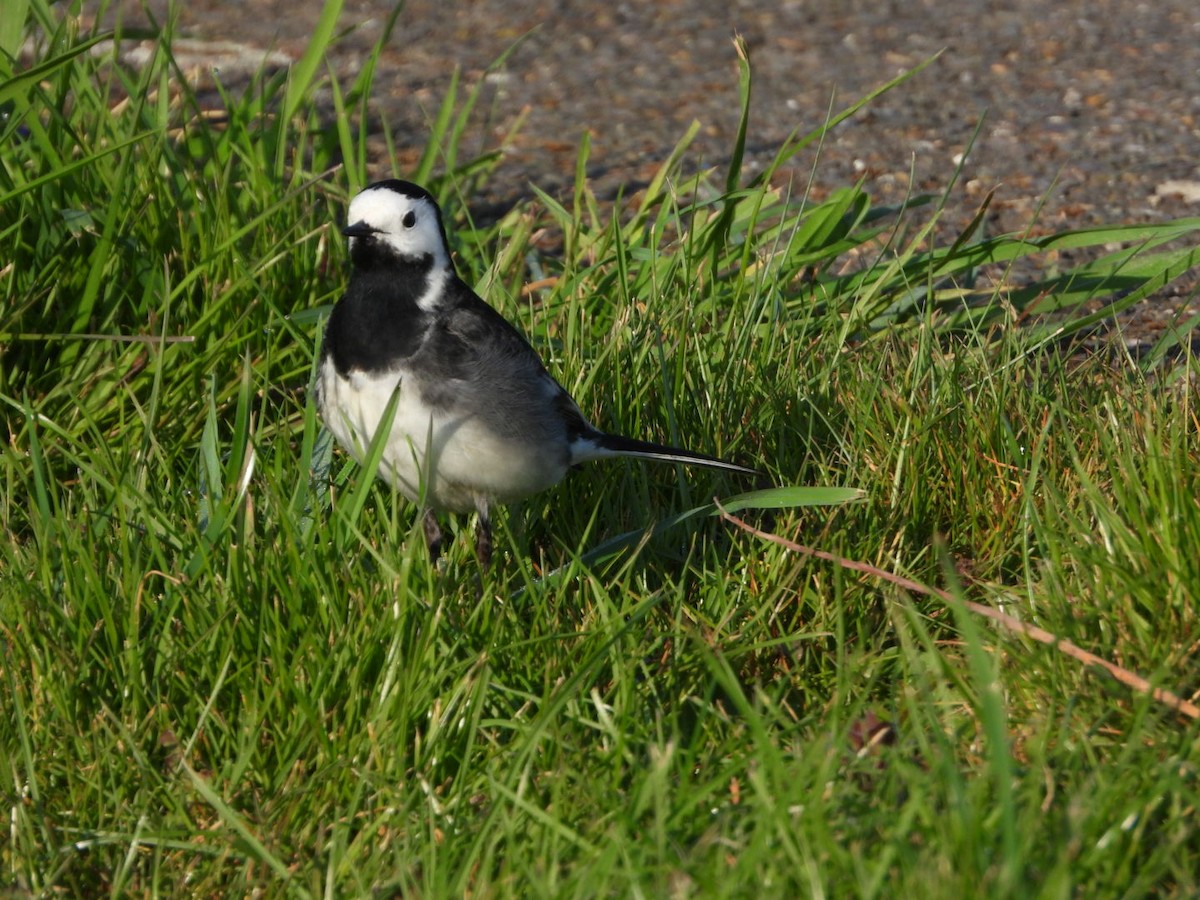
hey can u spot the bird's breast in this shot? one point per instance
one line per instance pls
(444, 454)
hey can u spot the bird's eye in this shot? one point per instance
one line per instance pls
(410, 219)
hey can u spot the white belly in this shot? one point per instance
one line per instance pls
(457, 460)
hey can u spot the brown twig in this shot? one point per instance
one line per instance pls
(1041, 635)
(91, 336)
(540, 285)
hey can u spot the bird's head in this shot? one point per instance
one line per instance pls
(394, 222)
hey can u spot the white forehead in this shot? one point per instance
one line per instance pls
(382, 207)
(386, 211)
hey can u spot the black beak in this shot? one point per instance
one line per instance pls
(359, 229)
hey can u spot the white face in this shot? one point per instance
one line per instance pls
(408, 225)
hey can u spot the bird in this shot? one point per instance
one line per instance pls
(477, 420)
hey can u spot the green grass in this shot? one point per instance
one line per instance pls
(227, 666)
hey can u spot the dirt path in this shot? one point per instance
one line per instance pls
(1090, 108)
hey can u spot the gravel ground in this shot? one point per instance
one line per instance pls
(1090, 110)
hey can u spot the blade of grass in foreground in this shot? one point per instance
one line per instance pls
(794, 497)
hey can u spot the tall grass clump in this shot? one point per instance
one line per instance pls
(227, 667)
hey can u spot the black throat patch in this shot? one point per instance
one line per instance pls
(378, 322)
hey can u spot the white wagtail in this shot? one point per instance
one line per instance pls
(478, 419)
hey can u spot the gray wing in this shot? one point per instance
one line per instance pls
(476, 363)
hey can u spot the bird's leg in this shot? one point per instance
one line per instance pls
(483, 535)
(433, 535)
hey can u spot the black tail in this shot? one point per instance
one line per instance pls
(598, 445)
